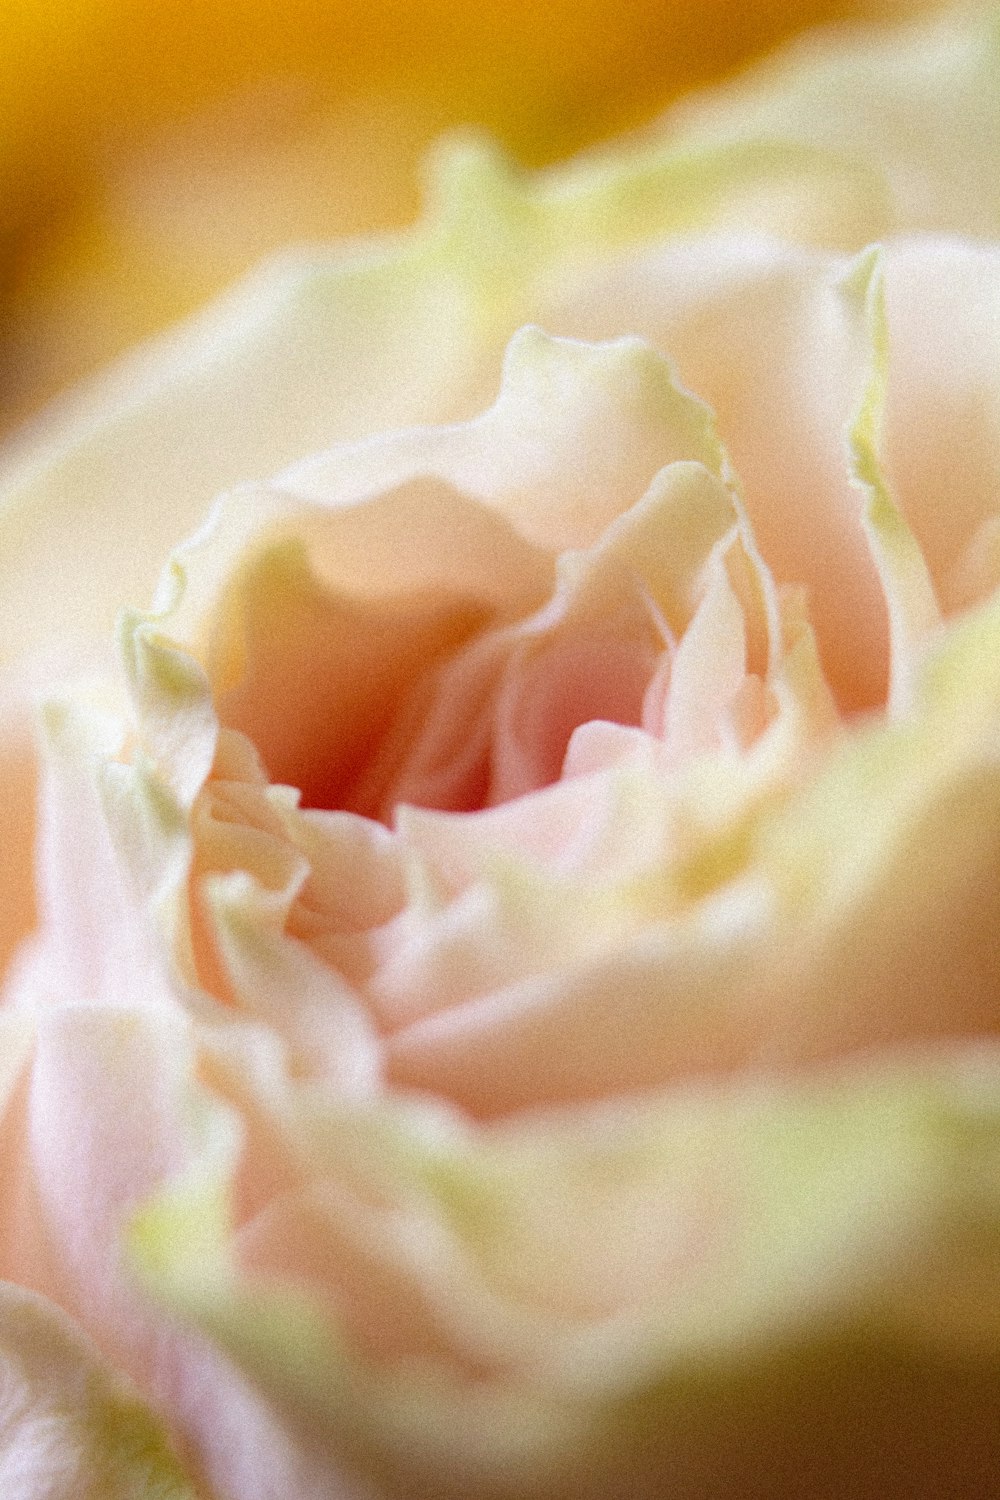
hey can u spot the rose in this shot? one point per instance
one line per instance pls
(263, 379)
(150, 153)
(715, 1001)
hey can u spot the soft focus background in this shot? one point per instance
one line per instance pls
(151, 149)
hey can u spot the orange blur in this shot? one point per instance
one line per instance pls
(151, 149)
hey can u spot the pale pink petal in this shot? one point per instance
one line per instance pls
(634, 1019)
(942, 421)
(760, 331)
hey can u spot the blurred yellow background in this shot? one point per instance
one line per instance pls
(151, 149)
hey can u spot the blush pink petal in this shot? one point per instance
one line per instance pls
(110, 1116)
(71, 1428)
(761, 332)
(630, 1021)
(494, 724)
(632, 1100)
(558, 826)
(942, 421)
(97, 944)
(706, 673)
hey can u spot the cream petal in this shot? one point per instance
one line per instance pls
(886, 866)
(638, 1016)
(558, 1312)
(323, 346)
(918, 103)
(575, 436)
(233, 381)
(114, 1112)
(350, 532)
(553, 825)
(910, 598)
(495, 722)
(97, 942)
(501, 929)
(356, 879)
(281, 597)
(707, 671)
(23, 691)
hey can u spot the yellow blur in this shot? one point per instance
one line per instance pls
(151, 149)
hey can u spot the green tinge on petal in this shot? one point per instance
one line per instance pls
(906, 579)
(173, 700)
(958, 689)
(879, 782)
(503, 232)
(921, 101)
(734, 1251)
(70, 1429)
(152, 840)
(813, 194)
(746, 1214)
(182, 1233)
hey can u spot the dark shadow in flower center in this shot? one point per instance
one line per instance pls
(426, 698)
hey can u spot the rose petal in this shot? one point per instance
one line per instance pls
(919, 101)
(576, 434)
(71, 1429)
(758, 1216)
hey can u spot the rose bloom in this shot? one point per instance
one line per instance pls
(152, 151)
(509, 1006)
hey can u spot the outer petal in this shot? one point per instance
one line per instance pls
(106, 1109)
(70, 1429)
(626, 1301)
(922, 102)
(888, 861)
(942, 407)
(575, 435)
(766, 335)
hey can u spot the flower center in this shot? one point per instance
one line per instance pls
(424, 700)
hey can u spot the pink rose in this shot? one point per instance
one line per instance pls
(513, 998)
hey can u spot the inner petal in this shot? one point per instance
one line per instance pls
(760, 330)
(322, 673)
(551, 691)
(494, 721)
